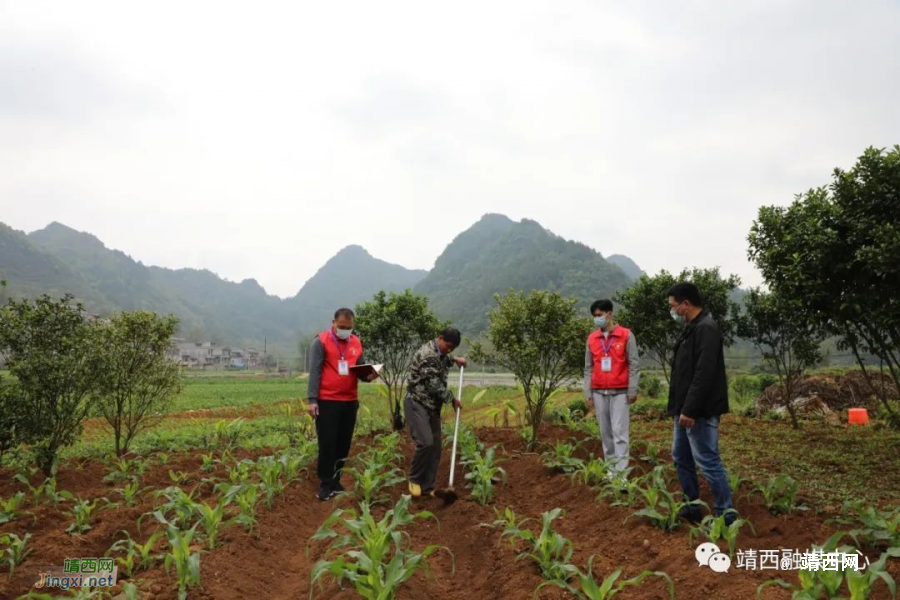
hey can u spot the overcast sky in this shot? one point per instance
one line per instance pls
(256, 139)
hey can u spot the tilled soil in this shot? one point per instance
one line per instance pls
(477, 565)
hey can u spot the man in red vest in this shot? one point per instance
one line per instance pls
(611, 373)
(333, 399)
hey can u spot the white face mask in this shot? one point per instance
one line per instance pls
(343, 334)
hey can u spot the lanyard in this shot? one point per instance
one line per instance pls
(606, 346)
(337, 343)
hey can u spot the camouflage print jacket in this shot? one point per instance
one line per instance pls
(428, 377)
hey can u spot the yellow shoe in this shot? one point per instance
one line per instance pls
(415, 490)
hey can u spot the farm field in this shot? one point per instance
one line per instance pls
(233, 460)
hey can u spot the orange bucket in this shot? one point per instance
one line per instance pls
(858, 416)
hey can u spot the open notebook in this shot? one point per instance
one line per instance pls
(365, 370)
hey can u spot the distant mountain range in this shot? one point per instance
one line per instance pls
(490, 257)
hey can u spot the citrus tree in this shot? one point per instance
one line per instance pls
(540, 338)
(835, 252)
(392, 327)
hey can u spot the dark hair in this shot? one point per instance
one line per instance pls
(343, 312)
(685, 290)
(451, 335)
(605, 305)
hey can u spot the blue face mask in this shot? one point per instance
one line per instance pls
(678, 318)
(600, 321)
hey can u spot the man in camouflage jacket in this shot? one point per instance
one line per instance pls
(426, 394)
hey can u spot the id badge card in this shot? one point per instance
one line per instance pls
(343, 367)
(606, 364)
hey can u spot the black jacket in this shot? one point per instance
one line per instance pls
(698, 387)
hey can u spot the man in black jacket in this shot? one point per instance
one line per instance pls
(698, 396)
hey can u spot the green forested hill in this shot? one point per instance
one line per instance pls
(490, 257)
(30, 271)
(348, 278)
(497, 253)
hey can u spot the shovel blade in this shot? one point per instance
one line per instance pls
(448, 495)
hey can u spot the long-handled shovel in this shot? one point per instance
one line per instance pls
(449, 495)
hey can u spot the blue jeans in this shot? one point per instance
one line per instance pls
(699, 446)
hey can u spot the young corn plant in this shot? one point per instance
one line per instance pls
(241, 472)
(481, 474)
(135, 557)
(294, 464)
(662, 506)
(123, 469)
(384, 450)
(212, 519)
(131, 493)
(187, 563)
(271, 474)
(561, 457)
(651, 454)
(600, 472)
(715, 529)
(10, 508)
(247, 497)
(587, 587)
(827, 584)
(208, 462)
(779, 494)
(501, 414)
(179, 477)
(873, 527)
(83, 511)
(373, 481)
(467, 443)
(862, 583)
(178, 509)
(227, 434)
(509, 524)
(292, 426)
(549, 550)
(46, 489)
(373, 555)
(622, 490)
(735, 481)
(15, 550)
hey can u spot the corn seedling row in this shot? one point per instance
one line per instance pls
(588, 588)
(374, 555)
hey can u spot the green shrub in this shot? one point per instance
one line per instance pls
(650, 386)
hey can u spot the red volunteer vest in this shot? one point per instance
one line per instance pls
(613, 346)
(333, 385)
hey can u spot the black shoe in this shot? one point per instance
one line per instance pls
(730, 517)
(691, 514)
(325, 492)
(337, 488)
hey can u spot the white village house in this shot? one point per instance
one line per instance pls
(207, 355)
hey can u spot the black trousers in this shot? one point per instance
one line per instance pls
(425, 429)
(334, 430)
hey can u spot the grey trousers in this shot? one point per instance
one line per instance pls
(425, 429)
(611, 410)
